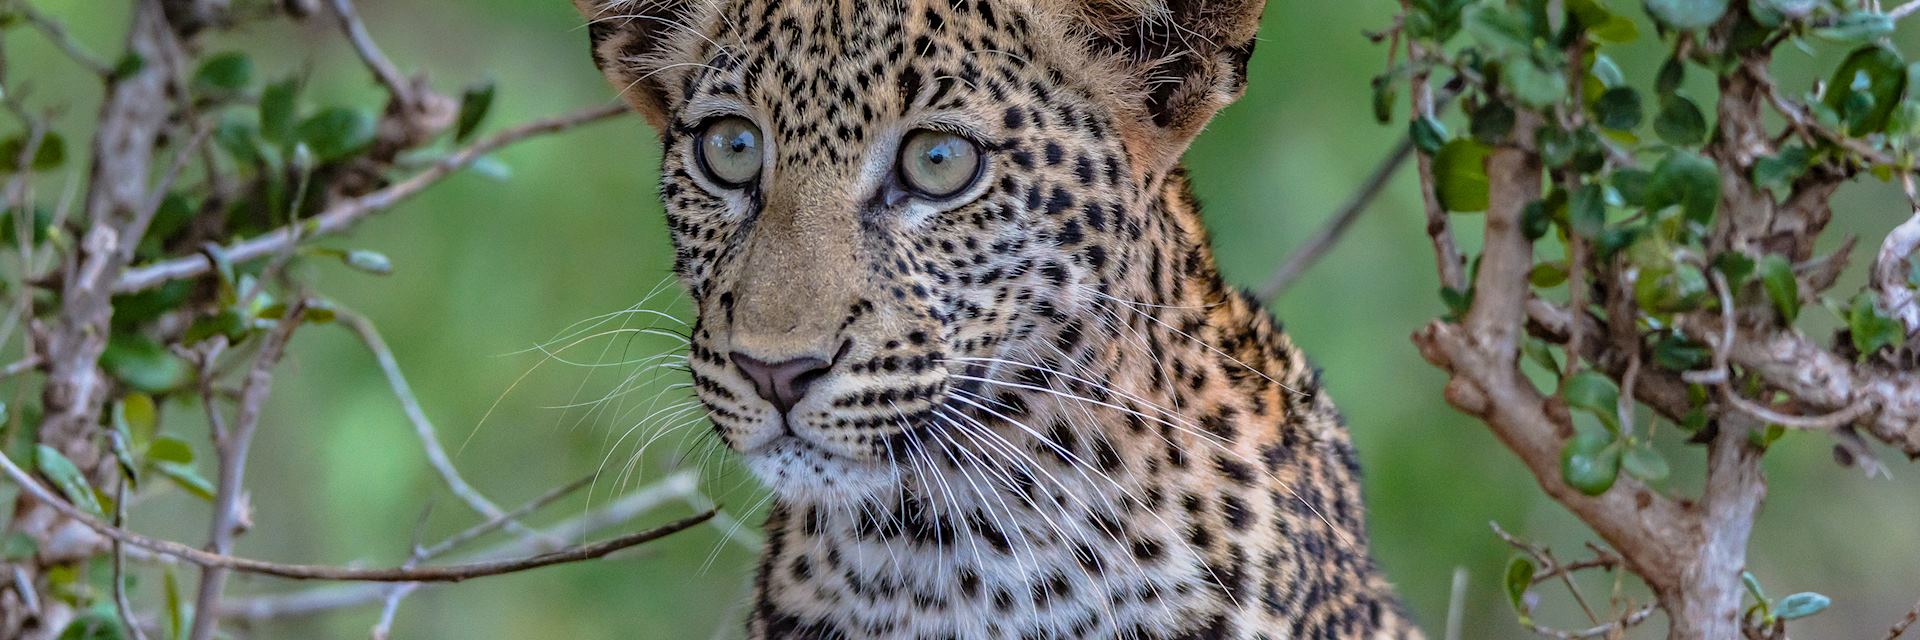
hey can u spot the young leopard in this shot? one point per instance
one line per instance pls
(956, 306)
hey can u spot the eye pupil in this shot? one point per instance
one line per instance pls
(939, 165)
(729, 152)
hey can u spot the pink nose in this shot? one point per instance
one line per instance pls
(781, 383)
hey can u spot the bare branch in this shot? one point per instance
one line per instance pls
(423, 428)
(1329, 235)
(1900, 628)
(369, 52)
(57, 32)
(1890, 272)
(672, 488)
(447, 573)
(1608, 630)
(121, 605)
(228, 502)
(345, 214)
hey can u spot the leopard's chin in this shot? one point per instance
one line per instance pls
(803, 473)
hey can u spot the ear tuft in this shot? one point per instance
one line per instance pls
(633, 42)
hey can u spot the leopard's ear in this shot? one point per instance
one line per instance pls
(637, 45)
(1178, 61)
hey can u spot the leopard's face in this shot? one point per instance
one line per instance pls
(882, 208)
(867, 231)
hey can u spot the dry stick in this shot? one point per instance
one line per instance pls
(370, 54)
(423, 428)
(1904, 10)
(446, 573)
(1900, 628)
(384, 628)
(332, 598)
(232, 449)
(346, 213)
(1603, 631)
(1309, 253)
(57, 32)
(121, 605)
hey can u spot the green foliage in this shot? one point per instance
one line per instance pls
(1519, 578)
(1460, 174)
(337, 133)
(50, 155)
(67, 478)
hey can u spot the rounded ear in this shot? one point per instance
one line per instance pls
(1181, 60)
(635, 44)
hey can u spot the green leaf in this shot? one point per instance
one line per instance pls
(1794, 9)
(1753, 587)
(239, 135)
(1875, 72)
(1686, 14)
(1872, 327)
(1531, 85)
(1689, 180)
(1492, 123)
(368, 261)
(1385, 93)
(224, 74)
(1680, 122)
(68, 478)
(1681, 288)
(279, 104)
(51, 153)
(1594, 393)
(1606, 71)
(1428, 134)
(143, 364)
(1460, 175)
(1501, 27)
(1676, 353)
(1801, 605)
(130, 63)
(1632, 186)
(1537, 350)
(1776, 277)
(179, 618)
(1548, 274)
(1603, 24)
(1587, 211)
(1590, 462)
(337, 133)
(478, 100)
(1858, 26)
(1457, 301)
(1520, 572)
(1672, 74)
(1618, 109)
(94, 625)
(1646, 464)
(1778, 171)
(18, 546)
(170, 449)
(186, 478)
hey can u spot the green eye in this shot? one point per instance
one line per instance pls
(939, 165)
(730, 152)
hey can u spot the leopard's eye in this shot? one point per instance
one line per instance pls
(937, 164)
(730, 152)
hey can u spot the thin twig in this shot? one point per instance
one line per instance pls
(122, 606)
(57, 32)
(345, 214)
(330, 598)
(1603, 631)
(1904, 10)
(370, 54)
(1329, 235)
(1825, 422)
(424, 431)
(446, 573)
(1900, 628)
(228, 497)
(20, 366)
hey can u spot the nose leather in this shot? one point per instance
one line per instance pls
(782, 383)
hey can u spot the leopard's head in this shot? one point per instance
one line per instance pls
(880, 206)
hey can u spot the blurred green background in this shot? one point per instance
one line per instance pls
(486, 270)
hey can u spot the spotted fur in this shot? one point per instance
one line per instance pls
(1046, 415)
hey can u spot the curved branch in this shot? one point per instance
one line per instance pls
(446, 573)
(346, 213)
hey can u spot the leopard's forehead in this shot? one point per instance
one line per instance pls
(829, 78)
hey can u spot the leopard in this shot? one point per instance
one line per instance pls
(957, 308)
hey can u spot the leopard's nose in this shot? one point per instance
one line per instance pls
(782, 383)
